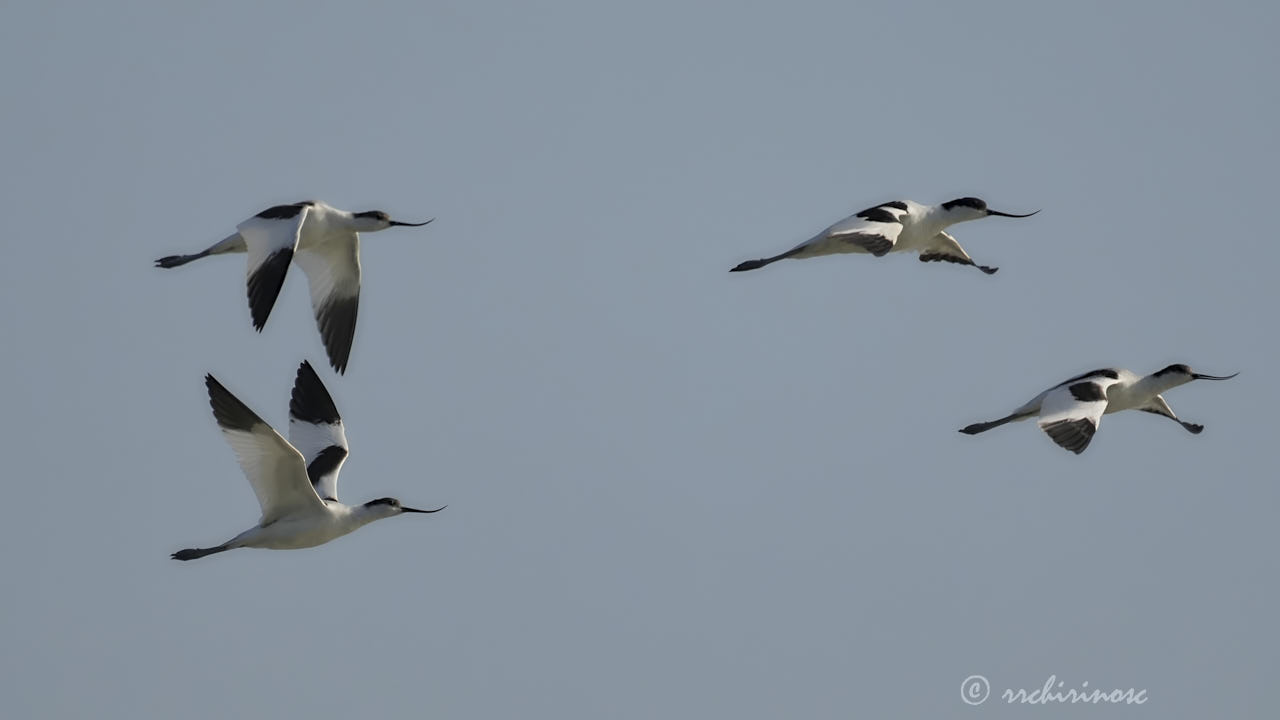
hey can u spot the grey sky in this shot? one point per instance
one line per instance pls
(673, 492)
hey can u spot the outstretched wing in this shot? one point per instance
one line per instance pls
(271, 237)
(315, 429)
(333, 271)
(874, 230)
(943, 247)
(1070, 412)
(274, 468)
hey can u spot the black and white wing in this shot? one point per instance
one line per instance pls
(274, 468)
(874, 230)
(333, 271)
(942, 247)
(315, 429)
(1070, 412)
(270, 238)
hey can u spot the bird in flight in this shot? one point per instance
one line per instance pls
(325, 242)
(898, 226)
(296, 480)
(1070, 411)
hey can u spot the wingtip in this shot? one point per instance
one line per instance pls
(310, 401)
(339, 366)
(306, 374)
(264, 285)
(337, 323)
(214, 389)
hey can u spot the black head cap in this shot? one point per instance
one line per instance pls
(1178, 368)
(383, 501)
(374, 214)
(971, 202)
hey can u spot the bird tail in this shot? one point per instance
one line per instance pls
(976, 428)
(196, 553)
(757, 264)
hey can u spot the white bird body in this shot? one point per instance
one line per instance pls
(306, 529)
(1071, 411)
(919, 222)
(296, 483)
(325, 242)
(898, 226)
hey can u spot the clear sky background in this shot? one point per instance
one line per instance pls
(673, 491)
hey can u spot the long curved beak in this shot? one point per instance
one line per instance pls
(997, 212)
(1198, 376)
(393, 222)
(409, 509)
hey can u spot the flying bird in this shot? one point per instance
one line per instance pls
(325, 242)
(898, 226)
(296, 481)
(1070, 411)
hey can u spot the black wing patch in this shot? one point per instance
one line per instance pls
(1088, 392)
(337, 322)
(283, 212)
(877, 245)
(879, 214)
(228, 410)
(1074, 435)
(327, 461)
(310, 401)
(940, 257)
(1104, 372)
(265, 284)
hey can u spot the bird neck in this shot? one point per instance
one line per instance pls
(1155, 384)
(944, 219)
(335, 218)
(927, 221)
(362, 515)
